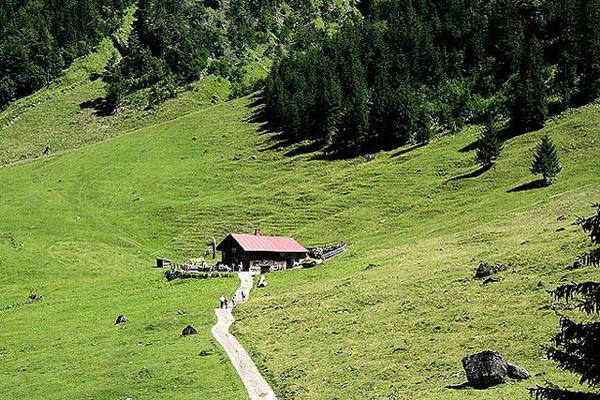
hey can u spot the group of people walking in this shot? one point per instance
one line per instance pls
(225, 303)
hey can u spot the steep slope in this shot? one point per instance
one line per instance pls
(82, 228)
(64, 115)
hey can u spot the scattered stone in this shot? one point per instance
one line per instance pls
(206, 353)
(561, 218)
(180, 312)
(369, 266)
(484, 269)
(576, 264)
(493, 279)
(121, 319)
(516, 372)
(189, 330)
(253, 157)
(540, 284)
(194, 138)
(560, 229)
(35, 296)
(485, 369)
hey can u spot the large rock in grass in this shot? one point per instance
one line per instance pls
(485, 369)
(484, 269)
(189, 330)
(516, 372)
(121, 319)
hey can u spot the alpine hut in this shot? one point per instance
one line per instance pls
(257, 252)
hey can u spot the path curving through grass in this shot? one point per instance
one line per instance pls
(257, 386)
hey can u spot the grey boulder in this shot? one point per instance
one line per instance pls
(485, 369)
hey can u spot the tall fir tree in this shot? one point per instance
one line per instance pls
(529, 107)
(576, 348)
(489, 146)
(545, 161)
(589, 84)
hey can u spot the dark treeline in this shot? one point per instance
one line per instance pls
(415, 68)
(176, 42)
(41, 38)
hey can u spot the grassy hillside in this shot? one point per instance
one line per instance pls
(64, 115)
(391, 318)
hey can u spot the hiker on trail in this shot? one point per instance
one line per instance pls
(226, 303)
(233, 299)
(223, 300)
(262, 282)
(243, 296)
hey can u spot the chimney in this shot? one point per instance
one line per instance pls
(256, 232)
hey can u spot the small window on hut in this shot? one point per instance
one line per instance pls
(233, 249)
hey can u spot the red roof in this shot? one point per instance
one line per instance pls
(268, 243)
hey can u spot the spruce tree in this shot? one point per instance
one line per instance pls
(489, 146)
(545, 161)
(589, 84)
(576, 348)
(528, 106)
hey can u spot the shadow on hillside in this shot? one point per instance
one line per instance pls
(408, 150)
(539, 183)
(473, 174)
(277, 140)
(98, 105)
(462, 386)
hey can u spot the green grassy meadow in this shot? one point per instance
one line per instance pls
(389, 319)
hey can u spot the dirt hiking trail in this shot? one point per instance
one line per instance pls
(257, 386)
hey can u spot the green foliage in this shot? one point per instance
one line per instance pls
(489, 146)
(39, 39)
(577, 345)
(175, 43)
(428, 64)
(545, 160)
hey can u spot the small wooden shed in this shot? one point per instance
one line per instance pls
(267, 253)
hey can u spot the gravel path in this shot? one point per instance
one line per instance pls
(257, 386)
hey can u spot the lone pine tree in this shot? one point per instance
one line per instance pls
(489, 146)
(576, 348)
(545, 161)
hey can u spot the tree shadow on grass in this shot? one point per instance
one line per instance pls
(539, 183)
(98, 105)
(466, 385)
(473, 174)
(469, 147)
(462, 386)
(408, 150)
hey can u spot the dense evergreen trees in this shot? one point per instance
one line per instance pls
(176, 42)
(40, 38)
(415, 68)
(576, 348)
